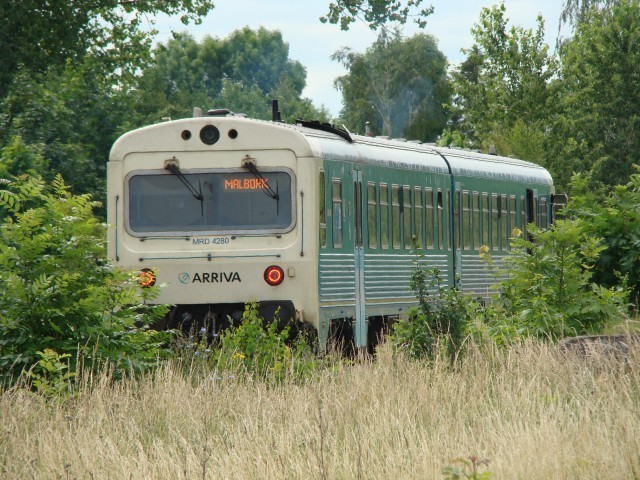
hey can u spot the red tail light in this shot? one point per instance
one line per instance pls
(146, 278)
(274, 275)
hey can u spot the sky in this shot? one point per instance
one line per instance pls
(312, 43)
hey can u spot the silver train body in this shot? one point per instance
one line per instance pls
(318, 224)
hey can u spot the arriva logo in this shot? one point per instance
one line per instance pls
(209, 277)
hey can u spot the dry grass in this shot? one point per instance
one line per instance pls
(534, 414)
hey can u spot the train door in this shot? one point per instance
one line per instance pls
(360, 322)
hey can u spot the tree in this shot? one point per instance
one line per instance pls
(59, 297)
(399, 86)
(598, 127)
(503, 88)
(39, 35)
(376, 12)
(242, 72)
(71, 116)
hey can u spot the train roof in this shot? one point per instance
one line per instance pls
(312, 139)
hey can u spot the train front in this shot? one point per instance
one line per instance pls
(210, 208)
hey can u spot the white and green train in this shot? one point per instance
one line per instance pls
(313, 222)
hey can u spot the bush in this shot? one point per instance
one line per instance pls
(439, 322)
(548, 291)
(61, 303)
(256, 347)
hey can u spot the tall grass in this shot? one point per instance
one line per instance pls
(532, 412)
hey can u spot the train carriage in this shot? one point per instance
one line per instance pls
(317, 224)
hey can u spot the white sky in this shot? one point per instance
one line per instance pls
(312, 43)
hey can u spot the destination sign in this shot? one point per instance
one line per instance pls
(246, 184)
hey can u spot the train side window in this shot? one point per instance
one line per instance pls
(535, 211)
(456, 218)
(418, 212)
(430, 224)
(523, 213)
(486, 220)
(384, 216)
(495, 222)
(466, 220)
(372, 215)
(542, 218)
(513, 215)
(395, 216)
(476, 237)
(323, 211)
(504, 227)
(441, 225)
(407, 215)
(336, 195)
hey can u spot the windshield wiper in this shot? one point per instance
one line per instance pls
(269, 192)
(197, 194)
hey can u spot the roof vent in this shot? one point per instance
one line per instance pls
(219, 112)
(492, 150)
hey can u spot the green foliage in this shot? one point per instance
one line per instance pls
(439, 322)
(548, 291)
(257, 347)
(398, 85)
(242, 72)
(39, 36)
(60, 299)
(597, 128)
(376, 13)
(17, 158)
(503, 91)
(615, 219)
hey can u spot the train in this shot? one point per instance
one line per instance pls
(318, 225)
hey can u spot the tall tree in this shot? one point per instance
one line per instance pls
(241, 72)
(398, 85)
(38, 34)
(598, 129)
(503, 88)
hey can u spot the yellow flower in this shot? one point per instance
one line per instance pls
(516, 232)
(238, 356)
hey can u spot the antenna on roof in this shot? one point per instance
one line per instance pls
(275, 111)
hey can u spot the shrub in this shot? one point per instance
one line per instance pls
(439, 321)
(548, 291)
(60, 299)
(256, 347)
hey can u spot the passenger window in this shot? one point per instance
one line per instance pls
(466, 220)
(543, 213)
(430, 224)
(418, 216)
(486, 221)
(476, 237)
(513, 216)
(323, 212)
(372, 215)
(336, 195)
(407, 216)
(495, 222)
(504, 227)
(441, 225)
(384, 216)
(523, 213)
(395, 216)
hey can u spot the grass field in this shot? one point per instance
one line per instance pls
(533, 413)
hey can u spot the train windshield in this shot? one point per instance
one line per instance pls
(210, 202)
